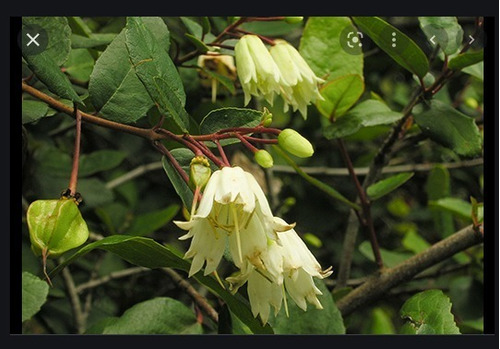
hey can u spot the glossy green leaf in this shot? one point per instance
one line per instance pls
(406, 53)
(313, 321)
(429, 312)
(150, 254)
(100, 160)
(445, 31)
(321, 48)
(339, 95)
(115, 90)
(223, 118)
(155, 69)
(161, 315)
(465, 59)
(458, 207)
(34, 295)
(148, 223)
(387, 185)
(367, 113)
(183, 157)
(55, 226)
(58, 33)
(33, 110)
(94, 192)
(475, 70)
(450, 128)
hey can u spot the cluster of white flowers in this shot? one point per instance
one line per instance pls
(281, 70)
(272, 259)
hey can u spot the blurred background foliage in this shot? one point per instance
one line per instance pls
(405, 221)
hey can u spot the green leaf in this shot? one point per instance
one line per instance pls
(321, 48)
(465, 59)
(414, 242)
(445, 30)
(34, 295)
(312, 321)
(115, 90)
(93, 41)
(219, 119)
(406, 53)
(161, 315)
(381, 322)
(385, 186)
(58, 33)
(429, 312)
(458, 207)
(367, 113)
(149, 222)
(450, 128)
(224, 80)
(182, 155)
(79, 64)
(48, 72)
(33, 110)
(100, 160)
(94, 192)
(437, 187)
(390, 258)
(155, 69)
(148, 253)
(475, 70)
(340, 94)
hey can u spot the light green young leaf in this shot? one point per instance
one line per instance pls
(321, 48)
(406, 53)
(367, 113)
(34, 295)
(437, 187)
(429, 312)
(339, 95)
(465, 59)
(458, 207)
(385, 186)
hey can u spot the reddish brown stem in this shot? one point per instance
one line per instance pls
(222, 153)
(172, 160)
(246, 143)
(76, 153)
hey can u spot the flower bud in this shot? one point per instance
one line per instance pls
(293, 20)
(294, 143)
(55, 226)
(199, 172)
(263, 158)
(267, 118)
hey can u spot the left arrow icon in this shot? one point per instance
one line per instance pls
(432, 39)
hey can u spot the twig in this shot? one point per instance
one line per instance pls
(136, 172)
(111, 276)
(76, 305)
(362, 171)
(200, 301)
(378, 284)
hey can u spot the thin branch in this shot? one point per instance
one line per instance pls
(382, 281)
(200, 301)
(111, 276)
(362, 171)
(76, 153)
(76, 305)
(136, 172)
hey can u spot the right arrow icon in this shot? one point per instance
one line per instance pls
(471, 39)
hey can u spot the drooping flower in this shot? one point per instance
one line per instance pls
(287, 266)
(233, 211)
(258, 73)
(299, 82)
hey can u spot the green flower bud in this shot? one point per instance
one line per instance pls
(267, 117)
(199, 172)
(471, 102)
(293, 20)
(293, 142)
(263, 158)
(55, 226)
